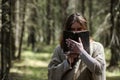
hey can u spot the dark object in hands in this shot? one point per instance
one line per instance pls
(84, 35)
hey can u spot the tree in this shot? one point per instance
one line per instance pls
(109, 32)
(83, 7)
(90, 17)
(17, 25)
(6, 39)
(23, 27)
(13, 21)
(115, 31)
(64, 5)
(31, 38)
(48, 17)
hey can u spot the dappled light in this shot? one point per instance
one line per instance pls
(33, 66)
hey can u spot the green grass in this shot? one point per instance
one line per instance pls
(33, 66)
(115, 75)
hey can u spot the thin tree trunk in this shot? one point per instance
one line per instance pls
(48, 28)
(53, 27)
(90, 16)
(83, 6)
(53, 33)
(64, 6)
(112, 25)
(22, 30)
(17, 29)
(13, 21)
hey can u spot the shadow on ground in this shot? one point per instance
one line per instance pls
(15, 76)
(29, 73)
(113, 78)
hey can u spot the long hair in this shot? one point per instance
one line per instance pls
(75, 17)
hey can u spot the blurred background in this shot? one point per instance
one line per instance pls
(30, 30)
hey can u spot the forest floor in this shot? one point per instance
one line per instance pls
(33, 66)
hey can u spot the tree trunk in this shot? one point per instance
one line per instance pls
(64, 6)
(48, 28)
(13, 21)
(6, 39)
(90, 16)
(31, 38)
(53, 27)
(18, 28)
(115, 42)
(83, 6)
(53, 33)
(114, 57)
(23, 27)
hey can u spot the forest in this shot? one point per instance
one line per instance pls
(30, 30)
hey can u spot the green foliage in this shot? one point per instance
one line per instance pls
(37, 16)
